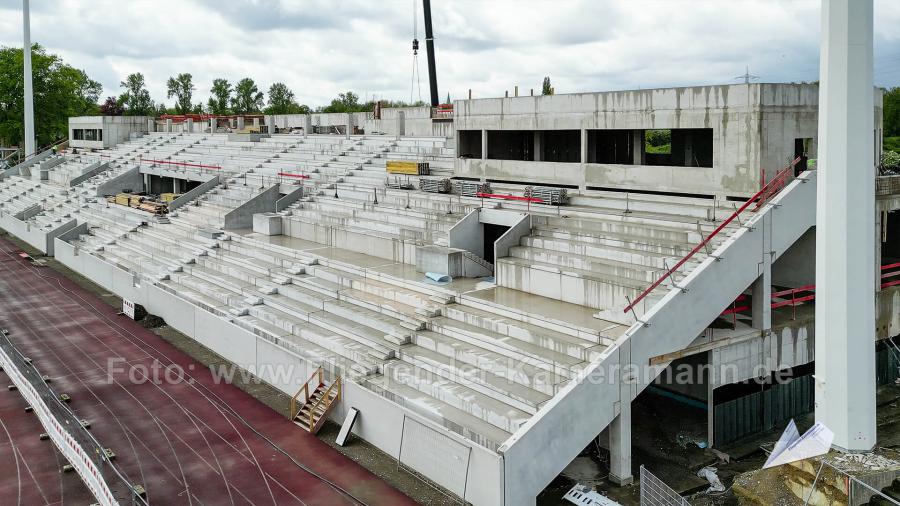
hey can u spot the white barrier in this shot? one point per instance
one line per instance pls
(68, 446)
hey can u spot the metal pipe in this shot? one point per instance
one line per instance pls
(29, 93)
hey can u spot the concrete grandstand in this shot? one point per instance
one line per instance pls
(291, 249)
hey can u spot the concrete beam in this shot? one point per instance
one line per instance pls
(242, 216)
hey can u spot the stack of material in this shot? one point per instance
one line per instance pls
(471, 188)
(548, 195)
(398, 183)
(435, 185)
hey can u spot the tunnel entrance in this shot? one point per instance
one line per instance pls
(492, 232)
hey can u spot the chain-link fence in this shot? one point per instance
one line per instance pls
(656, 493)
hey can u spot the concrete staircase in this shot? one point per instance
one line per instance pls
(603, 392)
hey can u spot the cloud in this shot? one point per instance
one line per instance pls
(322, 47)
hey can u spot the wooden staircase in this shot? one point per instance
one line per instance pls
(318, 399)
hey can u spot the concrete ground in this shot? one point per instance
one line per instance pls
(374, 460)
(194, 440)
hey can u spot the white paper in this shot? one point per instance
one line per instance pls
(792, 447)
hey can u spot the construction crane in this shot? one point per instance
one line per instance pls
(429, 45)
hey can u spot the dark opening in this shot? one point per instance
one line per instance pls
(491, 234)
(890, 245)
(801, 150)
(679, 147)
(561, 146)
(469, 143)
(187, 186)
(611, 146)
(511, 145)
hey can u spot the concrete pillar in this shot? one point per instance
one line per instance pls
(256, 123)
(401, 124)
(584, 146)
(538, 145)
(638, 147)
(29, 91)
(349, 131)
(620, 428)
(151, 125)
(270, 124)
(240, 122)
(845, 227)
(307, 125)
(168, 126)
(484, 146)
(213, 125)
(189, 125)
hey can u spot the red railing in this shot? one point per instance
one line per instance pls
(181, 164)
(292, 174)
(768, 190)
(795, 296)
(507, 197)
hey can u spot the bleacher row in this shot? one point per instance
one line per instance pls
(338, 287)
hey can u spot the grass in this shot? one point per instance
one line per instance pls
(892, 144)
(664, 149)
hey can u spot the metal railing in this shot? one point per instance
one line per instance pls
(760, 198)
(656, 493)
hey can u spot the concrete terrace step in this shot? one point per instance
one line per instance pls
(594, 265)
(492, 411)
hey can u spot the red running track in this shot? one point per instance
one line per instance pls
(187, 442)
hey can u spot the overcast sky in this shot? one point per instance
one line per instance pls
(321, 47)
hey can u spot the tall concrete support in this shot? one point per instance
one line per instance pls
(213, 125)
(307, 125)
(484, 146)
(538, 146)
(845, 227)
(584, 146)
(29, 91)
(240, 122)
(401, 124)
(151, 125)
(168, 126)
(349, 131)
(761, 307)
(189, 126)
(638, 147)
(620, 428)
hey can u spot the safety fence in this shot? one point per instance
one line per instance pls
(67, 432)
(654, 492)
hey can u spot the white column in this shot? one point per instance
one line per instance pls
(169, 126)
(845, 233)
(620, 428)
(349, 125)
(638, 149)
(761, 308)
(240, 122)
(213, 124)
(307, 125)
(29, 93)
(189, 125)
(538, 145)
(151, 125)
(484, 146)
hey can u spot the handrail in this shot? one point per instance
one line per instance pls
(322, 398)
(811, 295)
(180, 164)
(762, 195)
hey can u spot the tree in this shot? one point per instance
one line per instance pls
(346, 102)
(247, 97)
(221, 97)
(892, 112)
(546, 87)
(111, 107)
(60, 91)
(281, 100)
(136, 98)
(182, 88)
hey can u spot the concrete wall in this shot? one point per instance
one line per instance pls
(417, 122)
(242, 216)
(512, 237)
(754, 127)
(131, 180)
(468, 234)
(187, 197)
(115, 129)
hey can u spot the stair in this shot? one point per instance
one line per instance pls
(318, 399)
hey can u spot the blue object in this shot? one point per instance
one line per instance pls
(440, 278)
